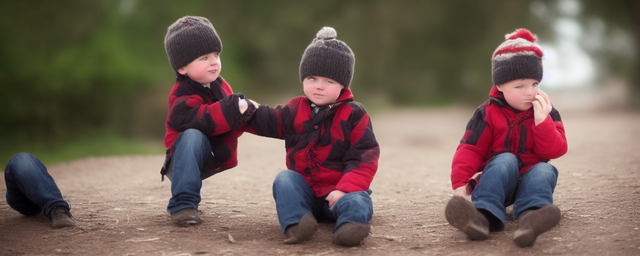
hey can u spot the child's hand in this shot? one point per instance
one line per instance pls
(255, 104)
(242, 103)
(541, 107)
(334, 196)
(462, 191)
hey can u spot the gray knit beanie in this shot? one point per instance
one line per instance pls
(328, 57)
(189, 38)
(516, 58)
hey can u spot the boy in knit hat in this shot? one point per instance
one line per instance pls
(503, 156)
(332, 153)
(204, 119)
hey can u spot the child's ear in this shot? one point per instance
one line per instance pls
(498, 87)
(182, 71)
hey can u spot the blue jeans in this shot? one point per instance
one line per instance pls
(294, 199)
(30, 188)
(501, 186)
(190, 151)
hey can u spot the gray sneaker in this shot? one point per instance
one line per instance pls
(61, 218)
(302, 231)
(461, 214)
(186, 217)
(532, 223)
(351, 234)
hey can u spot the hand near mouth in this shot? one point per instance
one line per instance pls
(541, 107)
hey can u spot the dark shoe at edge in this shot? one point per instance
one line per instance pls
(186, 217)
(302, 231)
(61, 218)
(532, 223)
(351, 234)
(461, 214)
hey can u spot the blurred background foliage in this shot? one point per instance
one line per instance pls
(81, 78)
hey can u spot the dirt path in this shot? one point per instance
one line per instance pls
(119, 202)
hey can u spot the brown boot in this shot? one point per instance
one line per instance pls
(61, 217)
(302, 231)
(532, 223)
(351, 234)
(461, 214)
(186, 217)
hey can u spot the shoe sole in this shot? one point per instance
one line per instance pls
(185, 220)
(351, 234)
(308, 225)
(461, 214)
(543, 219)
(63, 223)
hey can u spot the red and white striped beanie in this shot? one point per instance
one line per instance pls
(516, 58)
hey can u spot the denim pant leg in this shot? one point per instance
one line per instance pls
(536, 188)
(190, 150)
(30, 188)
(352, 207)
(293, 197)
(496, 187)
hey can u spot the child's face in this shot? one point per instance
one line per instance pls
(204, 69)
(520, 93)
(321, 90)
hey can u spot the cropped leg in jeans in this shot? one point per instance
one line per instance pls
(294, 199)
(501, 186)
(190, 149)
(30, 188)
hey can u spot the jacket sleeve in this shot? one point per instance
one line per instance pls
(361, 159)
(267, 122)
(213, 119)
(472, 149)
(550, 139)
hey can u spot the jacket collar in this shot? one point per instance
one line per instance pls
(189, 87)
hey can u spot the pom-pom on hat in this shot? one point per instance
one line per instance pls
(189, 38)
(328, 57)
(516, 58)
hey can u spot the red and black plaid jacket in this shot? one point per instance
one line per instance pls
(214, 111)
(333, 149)
(497, 128)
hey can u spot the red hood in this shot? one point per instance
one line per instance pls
(346, 95)
(494, 93)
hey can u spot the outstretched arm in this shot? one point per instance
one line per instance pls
(210, 118)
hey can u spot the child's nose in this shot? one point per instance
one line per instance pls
(531, 90)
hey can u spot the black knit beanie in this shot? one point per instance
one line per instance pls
(516, 58)
(328, 57)
(189, 38)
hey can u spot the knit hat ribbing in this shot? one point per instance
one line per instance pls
(189, 38)
(516, 58)
(328, 57)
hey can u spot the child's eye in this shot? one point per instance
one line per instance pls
(535, 84)
(205, 58)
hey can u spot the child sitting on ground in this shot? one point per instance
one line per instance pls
(502, 157)
(332, 153)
